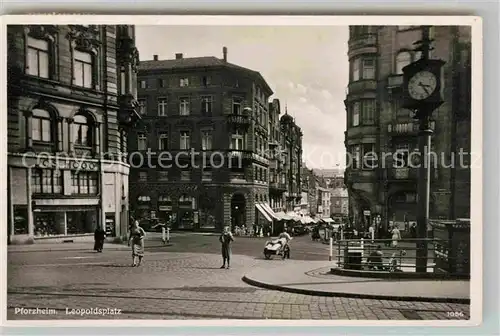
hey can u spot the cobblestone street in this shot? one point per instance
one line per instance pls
(180, 286)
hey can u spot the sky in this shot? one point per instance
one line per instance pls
(307, 68)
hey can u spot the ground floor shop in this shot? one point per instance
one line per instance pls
(202, 207)
(64, 198)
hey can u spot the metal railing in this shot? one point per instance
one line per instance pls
(384, 255)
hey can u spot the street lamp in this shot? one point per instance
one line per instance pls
(422, 94)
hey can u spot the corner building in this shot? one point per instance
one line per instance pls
(205, 123)
(376, 123)
(71, 101)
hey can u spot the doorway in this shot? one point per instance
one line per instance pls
(238, 210)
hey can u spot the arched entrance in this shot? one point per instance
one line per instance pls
(238, 210)
(402, 208)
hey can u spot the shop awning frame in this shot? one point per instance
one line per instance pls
(270, 211)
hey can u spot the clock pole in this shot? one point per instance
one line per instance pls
(424, 146)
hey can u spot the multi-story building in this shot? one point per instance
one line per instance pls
(71, 99)
(291, 147)
(386, 185)
(277, 181)
(323, 202)
(339, 204)
(205, 123)
(309, 185)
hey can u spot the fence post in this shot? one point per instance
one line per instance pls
(338, 255)
(331, 249)
(362, 247)
(168, 235)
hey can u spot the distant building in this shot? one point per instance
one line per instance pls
(376, 123)
(323, 202)
(219, 110)
(339, 202)
(71, 102)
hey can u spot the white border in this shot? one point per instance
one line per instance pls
(476, 147)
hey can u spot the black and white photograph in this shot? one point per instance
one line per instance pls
(243, 168)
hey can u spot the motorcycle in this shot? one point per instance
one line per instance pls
(277, 247)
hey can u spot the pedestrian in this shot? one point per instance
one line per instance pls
(163, 234)
(136, 236)
(396, 235)
(99, 237)
(226, 238)
(371, 231)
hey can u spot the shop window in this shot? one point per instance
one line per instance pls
(84, 183)
(20, 220)
(46, 181)
(81, 222)
(46, 224)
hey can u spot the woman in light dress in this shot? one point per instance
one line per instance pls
(396, 235)
(136, 236)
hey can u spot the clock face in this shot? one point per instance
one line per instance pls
(422, 85)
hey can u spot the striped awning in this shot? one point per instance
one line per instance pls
(263, 212)
(270, 211)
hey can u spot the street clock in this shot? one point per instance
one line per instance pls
(422, 86)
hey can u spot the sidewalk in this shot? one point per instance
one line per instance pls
(313, 278)
(51, 247)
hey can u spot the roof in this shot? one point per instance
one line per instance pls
(195, 62)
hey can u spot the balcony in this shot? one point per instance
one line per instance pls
(402, 174)
(362, 85)
(236, 119)
(409, 128)
(394, 81)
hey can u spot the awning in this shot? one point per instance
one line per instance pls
(263, 212)
(306, 220)
(283, 216)
(270, 211)
(293, 216)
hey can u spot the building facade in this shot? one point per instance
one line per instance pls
(205, 122)
(323, 202)
(309, 186)
(385, 185)
(291, 148)
(339, 204)
(277, 178)
(71, 100)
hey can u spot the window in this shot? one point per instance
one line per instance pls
(206, 105)
(46, 181)
(82, 131)
(369, 68)
(143, 84)
(369, 156)
(143, 176)
(142, 141)
(184, 82)
(142, 106)
(401, 156)
(37, 57)
(402, 59)
(185, 140)
(206, 140)
(41, 126)
(237, 140)
(355, 114)
(206, 80)
(83, 71)
(164, 199)
(84, 183)
(123, 80)
(185, 175)
(356, 64)
(163, 141)
(163, 175)
(356, 157)
(162, 107)
(184, 106)
(162, 83)
(368, 112)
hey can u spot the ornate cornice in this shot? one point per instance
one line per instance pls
(84, 39)
(42, 32)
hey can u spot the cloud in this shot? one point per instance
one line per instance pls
(326, 94)
(303, 100)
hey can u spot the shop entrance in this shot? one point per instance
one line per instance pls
(238, 209)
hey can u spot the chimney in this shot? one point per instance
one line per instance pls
(178, 56)
(224, 52)
(155, 57)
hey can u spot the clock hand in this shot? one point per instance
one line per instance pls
(424, 87)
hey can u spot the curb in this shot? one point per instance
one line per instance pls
(401, 275)
(311, 292)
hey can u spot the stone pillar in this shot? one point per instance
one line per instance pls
(28, 129)
(60, 133)
(96, 148)
(31, 224)
(71, 136)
